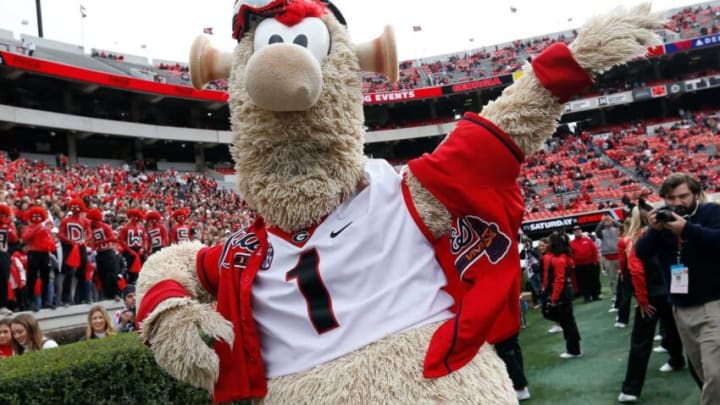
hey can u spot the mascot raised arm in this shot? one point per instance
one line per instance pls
(357, 284)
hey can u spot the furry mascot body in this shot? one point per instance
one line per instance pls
(356, 284)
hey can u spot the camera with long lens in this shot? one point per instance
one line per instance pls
(664, 215)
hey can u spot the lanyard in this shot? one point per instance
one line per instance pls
(679, 249)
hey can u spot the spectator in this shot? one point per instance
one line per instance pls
(124, 320)
(608, 232)
(6, 348)
(40, 243)
(133, 241)
(99, 325)
(557, 292)
(511, 354)
(74, 231)
(107, 260)
(625, 289)
(8, 235)
(27, 335)
(653, 306)
(687, 241)
(585, 255)
(31, 48)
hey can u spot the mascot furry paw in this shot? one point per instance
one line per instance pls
(357, 284)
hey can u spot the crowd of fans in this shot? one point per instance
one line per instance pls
(48, 210)
(584, 173)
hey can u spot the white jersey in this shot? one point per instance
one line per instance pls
(365, 272)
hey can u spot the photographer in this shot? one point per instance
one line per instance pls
(685, 235)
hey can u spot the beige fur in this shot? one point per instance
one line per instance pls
(297, 167)
(389, 371)
(173, 328)
(176, 262)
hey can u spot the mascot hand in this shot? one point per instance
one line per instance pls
(180, 339)
(616, 38)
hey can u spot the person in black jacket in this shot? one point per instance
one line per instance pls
(687, 242)
(653, 306)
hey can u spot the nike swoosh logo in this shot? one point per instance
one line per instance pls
(333, 234)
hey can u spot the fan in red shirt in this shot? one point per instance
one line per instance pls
(133, 240)
(180, 232)
(156, 230)
(8, 235)
(586, 256)
(18, 280)
(40, 243)
(104, 242)
(74, 231)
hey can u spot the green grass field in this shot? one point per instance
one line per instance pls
(595, 378)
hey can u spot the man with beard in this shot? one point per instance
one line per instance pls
(686, 237)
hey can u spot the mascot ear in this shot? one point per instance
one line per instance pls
(207, 63)
(380, 55)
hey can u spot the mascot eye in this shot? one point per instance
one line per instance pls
(301, 40)
(311, 33)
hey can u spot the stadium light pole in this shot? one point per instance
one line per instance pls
(38, 12)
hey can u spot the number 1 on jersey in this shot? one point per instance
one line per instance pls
(319, 303)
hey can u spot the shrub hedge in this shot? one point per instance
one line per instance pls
(114, 370)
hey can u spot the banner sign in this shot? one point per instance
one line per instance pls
(615, 99)
(61, 70)
(478, 84)
(402, 95)
(707, 40)
(546, 226)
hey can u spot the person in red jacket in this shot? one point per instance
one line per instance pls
(8, 235)
(587, 270)
(106, 260)
(133, 240)
(180, 232)
(557, 290)
(74, 231)
(157, 231)
(18, 279)
(625, 288)
(40, 243)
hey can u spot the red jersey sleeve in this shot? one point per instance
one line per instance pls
(622, 255)
(559, 269)
(208, 268)
(473, 174)
(637, 275)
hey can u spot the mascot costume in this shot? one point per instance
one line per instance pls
(357, 284)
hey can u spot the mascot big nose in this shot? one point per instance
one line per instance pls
(293, 84)
(295, 81)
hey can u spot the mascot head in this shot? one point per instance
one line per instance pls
(5, 213)
(134, 215)
(77, 206)
(295, 105)
(94, 215)
(37, 214)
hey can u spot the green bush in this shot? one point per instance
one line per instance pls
(114, 370)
